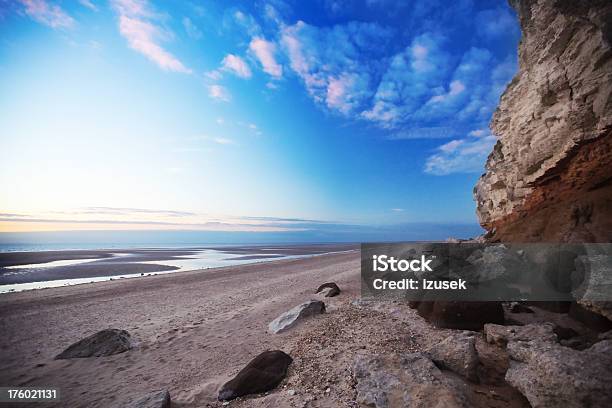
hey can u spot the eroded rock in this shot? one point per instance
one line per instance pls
(502, 335)
(103, 343)
(292, 317)
(261, 374)
(408, 380)
(457, 353)
(550, 375)
(548, 177)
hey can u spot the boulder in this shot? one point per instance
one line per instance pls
(502, 335)
(329, 289)
(407, 380)
(103, 343)
(550, 375)
(292, 317)
(457, 353)
(461, 315)
(261, 374)
(156, 399)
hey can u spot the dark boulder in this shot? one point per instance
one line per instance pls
(461, 315)
(262, 374)
(330, 288)
(104, 343)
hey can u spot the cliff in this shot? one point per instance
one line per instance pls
(549, 177)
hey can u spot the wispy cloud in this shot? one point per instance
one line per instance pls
(461, 155)
(47, 13)
(264, 51)
(137, 26)
(219, 93)
(236, 65)
(223, 141)
(191, 29)
(126, 211)
(89, 4)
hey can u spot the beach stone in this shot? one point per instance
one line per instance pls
(457, 353)
(461, 315)
(261, 374)
(407, 380)
(156, 399)
(103, 343)
(502, 335)
(292, 317)
(329, 289)
(550, 375)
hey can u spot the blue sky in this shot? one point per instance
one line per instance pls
(265, 116)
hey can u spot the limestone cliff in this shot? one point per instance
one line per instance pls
(549, 177)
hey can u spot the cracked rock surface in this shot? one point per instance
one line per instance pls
(549, 177)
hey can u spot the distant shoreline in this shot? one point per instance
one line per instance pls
(46, 268)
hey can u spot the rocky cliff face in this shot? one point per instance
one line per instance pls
(549, 177)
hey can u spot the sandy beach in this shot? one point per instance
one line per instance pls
(195, 328)
(198, 329)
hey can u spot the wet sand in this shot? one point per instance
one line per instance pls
(112, 262)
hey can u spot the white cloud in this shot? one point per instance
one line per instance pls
(455, 88)
(223, 141)
(219, 93)
(461, 156)
(264, 51)
(191, 29)
(411, 79)
(143, 35)
(48, 14)
(236, 65)
(479, 133)
(330, 64)
(215, 75)
(89, 4)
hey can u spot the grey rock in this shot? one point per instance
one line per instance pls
(550, 375)
(292, 317)
(502, 335)
(457, 353)
(408, 380)
(156, 399)
(495, 262)
(104, 343)
(329, 289)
